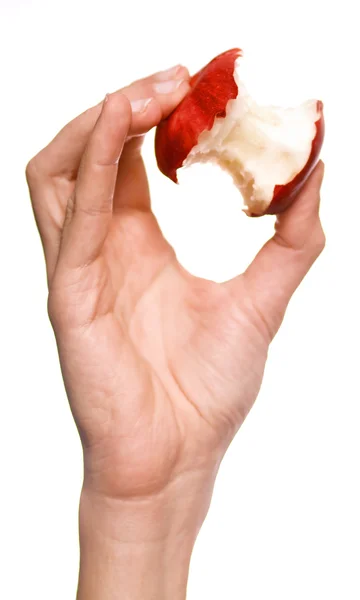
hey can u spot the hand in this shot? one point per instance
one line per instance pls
(160, 367)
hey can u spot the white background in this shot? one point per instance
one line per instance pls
(285, 519)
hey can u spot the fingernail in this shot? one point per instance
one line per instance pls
(166, 87)
(139, 106)
(168, 74)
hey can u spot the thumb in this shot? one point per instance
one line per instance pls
(280, 266)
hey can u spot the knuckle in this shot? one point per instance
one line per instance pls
(318, 240)
(310, 242)
(31, 170)
(59, 301)
(34, 169)
(105, 208)
(282, 241)
(60, 309)
(53, 309)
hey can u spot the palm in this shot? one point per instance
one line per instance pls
(178, 348)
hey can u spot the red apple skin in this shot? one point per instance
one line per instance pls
(212, 88)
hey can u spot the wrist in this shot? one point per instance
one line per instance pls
(139, 548)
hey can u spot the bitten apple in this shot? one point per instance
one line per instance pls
(268, 151)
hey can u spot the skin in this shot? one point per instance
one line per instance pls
(160, 367)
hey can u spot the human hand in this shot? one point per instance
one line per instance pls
(160, 367)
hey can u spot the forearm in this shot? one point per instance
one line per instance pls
(136, 550)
